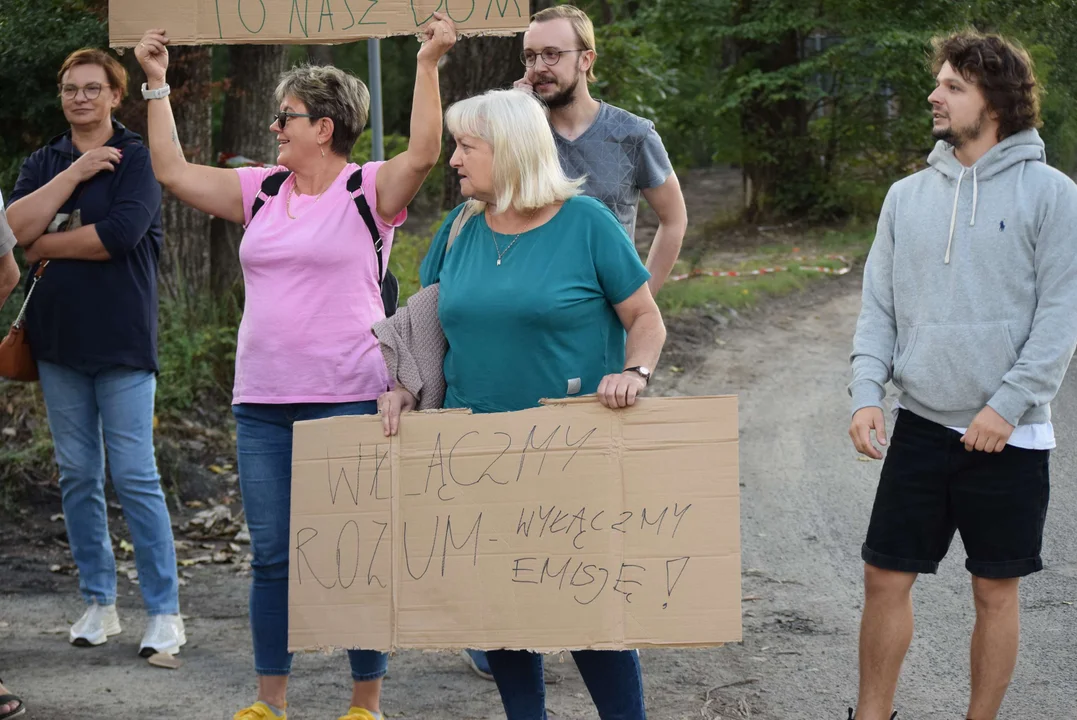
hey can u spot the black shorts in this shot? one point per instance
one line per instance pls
(931, 485)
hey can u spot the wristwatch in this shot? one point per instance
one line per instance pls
(643, 372)
(157, 94)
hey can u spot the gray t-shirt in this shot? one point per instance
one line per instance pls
(620, 154)
(7, 238)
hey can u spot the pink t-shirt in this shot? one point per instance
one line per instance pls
(312, 295)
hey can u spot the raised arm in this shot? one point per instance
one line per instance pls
(215, 191)
(400, 178)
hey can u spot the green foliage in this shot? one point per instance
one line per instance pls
(821, 103)
(197, 353)
(405, 259)
(35, 38)
(851, 243)
(633, 71)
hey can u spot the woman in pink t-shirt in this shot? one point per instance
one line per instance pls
(311, 273)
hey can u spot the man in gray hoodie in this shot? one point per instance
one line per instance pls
(969, 302)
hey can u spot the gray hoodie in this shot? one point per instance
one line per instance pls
(970, 288)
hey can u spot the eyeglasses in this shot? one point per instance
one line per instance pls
(550, 56)
(281, 118)
(90, 92)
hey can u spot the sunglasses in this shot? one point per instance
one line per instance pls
(281, 118)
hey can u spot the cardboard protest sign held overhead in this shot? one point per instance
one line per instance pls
(306, 22)
(563, 527)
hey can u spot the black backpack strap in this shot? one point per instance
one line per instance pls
(270, 187)
(355, 187)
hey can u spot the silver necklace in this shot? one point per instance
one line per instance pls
(500, 252)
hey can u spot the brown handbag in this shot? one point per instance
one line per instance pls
(16, 362)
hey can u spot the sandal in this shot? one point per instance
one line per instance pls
(9, 698)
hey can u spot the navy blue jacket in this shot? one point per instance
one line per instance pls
(91, 314)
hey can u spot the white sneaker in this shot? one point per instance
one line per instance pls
(96, 626)
(165, 634)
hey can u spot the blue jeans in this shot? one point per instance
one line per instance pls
(264, 451)
(89, 413)
(613, 678)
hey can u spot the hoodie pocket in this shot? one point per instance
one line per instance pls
(955, 368)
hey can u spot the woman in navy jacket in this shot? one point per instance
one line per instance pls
(88, 203)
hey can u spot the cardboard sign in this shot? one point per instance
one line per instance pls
(564, 527)
(304, 22)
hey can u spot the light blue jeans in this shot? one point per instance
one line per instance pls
(112, 410)
(264, 451)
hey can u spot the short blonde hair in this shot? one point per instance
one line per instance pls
(581, 23)
(527, 173)
(329, 92)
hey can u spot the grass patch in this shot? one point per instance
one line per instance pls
(852, 244)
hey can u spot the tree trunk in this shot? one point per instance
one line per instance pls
(253, 73)
(475, 65)
(777, 152)
(185, 260)
(133, 111)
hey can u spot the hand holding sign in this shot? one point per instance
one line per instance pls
(391, 404)
(152, 55)
(439, 36)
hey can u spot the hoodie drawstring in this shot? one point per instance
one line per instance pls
(975, 190)
(953, 215)
(953, 218)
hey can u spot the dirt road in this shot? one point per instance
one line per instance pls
(806, 500)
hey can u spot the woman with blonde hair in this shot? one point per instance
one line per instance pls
(314, 256)
(541, 295)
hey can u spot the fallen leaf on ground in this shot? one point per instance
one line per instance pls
(200, 560)
(126, 546)
(57, 517)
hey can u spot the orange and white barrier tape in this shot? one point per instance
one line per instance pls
(767, 271)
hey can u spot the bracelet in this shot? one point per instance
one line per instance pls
(161, 92)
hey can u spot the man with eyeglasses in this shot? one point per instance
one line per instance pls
(620, 154)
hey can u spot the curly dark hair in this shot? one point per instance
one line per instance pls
(1003, 71)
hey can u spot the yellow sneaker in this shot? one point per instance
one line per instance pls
(358, 713)
(258, 711)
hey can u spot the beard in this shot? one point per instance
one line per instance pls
(563, 97)
(958, 136)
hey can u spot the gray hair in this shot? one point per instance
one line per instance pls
(527, 173)
(330, 92)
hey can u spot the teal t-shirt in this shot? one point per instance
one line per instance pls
(542, 324)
